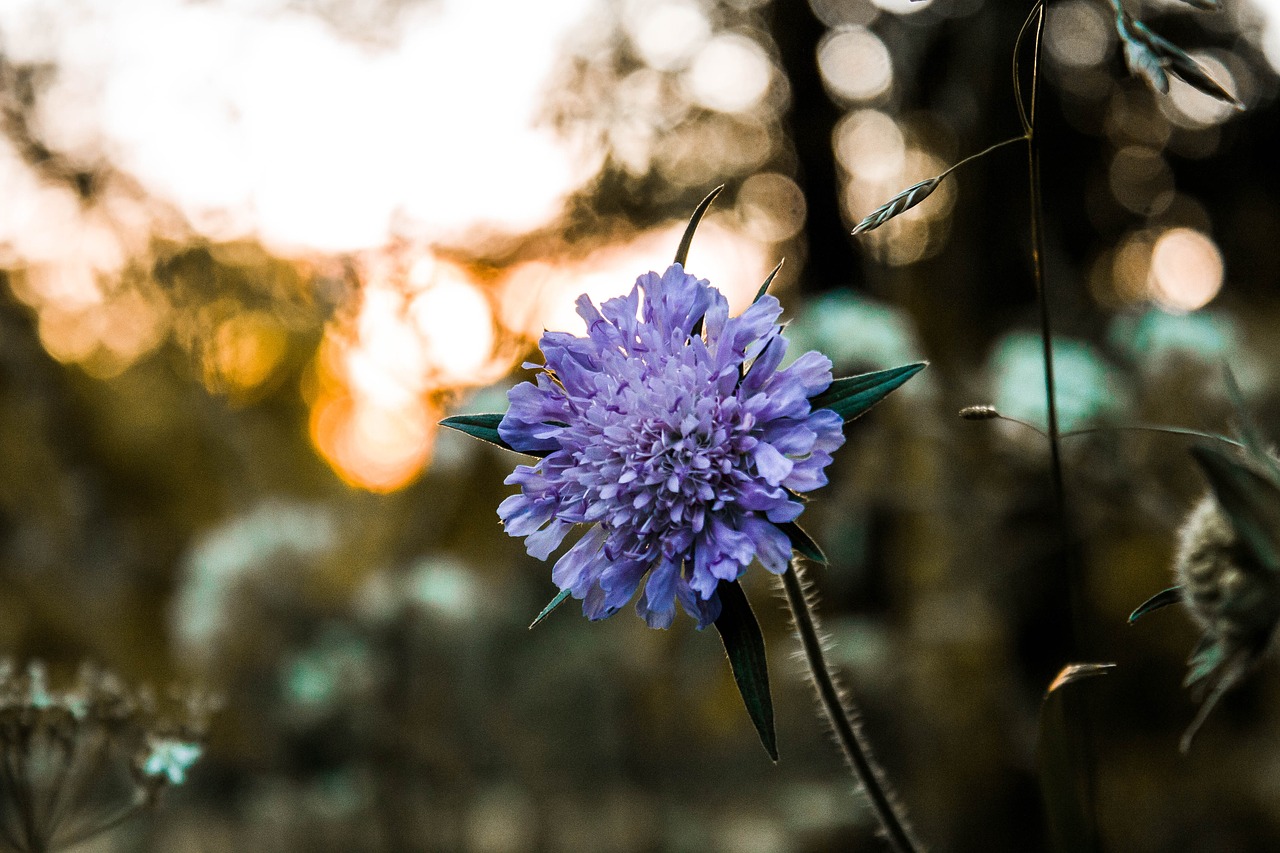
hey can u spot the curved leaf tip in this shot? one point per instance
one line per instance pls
(682, 251)
(1076, 671)
(1163, 598)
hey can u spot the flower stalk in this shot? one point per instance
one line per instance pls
(842, 715)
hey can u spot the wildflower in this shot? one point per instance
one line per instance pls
(683, 451)
(1235, 598)
(78, 762)
(1228, 572)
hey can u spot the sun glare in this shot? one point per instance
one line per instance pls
(269, 125)
(539, 296)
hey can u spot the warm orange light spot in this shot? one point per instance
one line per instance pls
(246, 349)
(422, 326)
(1186, 269)
(370, 446)
(1131, 268)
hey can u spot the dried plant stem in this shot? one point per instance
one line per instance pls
(1037, 260)
(843, 716)
(1073, 591)
(983, 153)
(106, 824)
(1155, 428)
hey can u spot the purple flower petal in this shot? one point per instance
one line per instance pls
(773, 548)
(683, 456)
(657, 605)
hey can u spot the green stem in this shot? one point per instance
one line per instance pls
(842, 715)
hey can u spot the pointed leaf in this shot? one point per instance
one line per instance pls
(1155, 57)
(1140, 54)
(1250, 433)
(853, 395)
(1191, 72)
(546, 611)
(1062, 753)
(485, 428)
(682, 251)
(764, 288)
(1164, 598)
(1207, 656)
(901, 202)
(1250, 501)
(1215, 670)
(1076, 671)
(744, 644)
(802, 543)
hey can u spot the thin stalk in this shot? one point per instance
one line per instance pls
(106, 824)
(1073, 591)
(1037, 259)
(1194, 433)
(984, 152)
(842, 715)
(1168, 430)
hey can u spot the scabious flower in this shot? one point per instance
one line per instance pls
(673, 432)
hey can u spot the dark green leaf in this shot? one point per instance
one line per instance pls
(802, 542)
(1164, 598)
(853, 395)
(1062, 752)
(1247, 425)
(682, 251)
(546, 611)
(1217, 665)
(1139, 52)
(901, 202)
(764, 288)
(1251, 503)
(744, 643)
(485, 428)
(1208, 655)
(1155, 57)
(1193, 73)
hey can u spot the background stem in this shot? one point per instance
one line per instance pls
(1081, 733)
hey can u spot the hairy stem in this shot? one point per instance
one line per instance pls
(843, 716)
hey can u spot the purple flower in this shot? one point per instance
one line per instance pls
(683, 455)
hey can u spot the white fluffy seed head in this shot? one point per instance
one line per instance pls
(1229, 596)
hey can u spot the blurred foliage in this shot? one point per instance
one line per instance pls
(164, 510)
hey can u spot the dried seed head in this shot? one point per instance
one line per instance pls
(979, 413)
(1227, 594)
(1235, 600)
(97, 749)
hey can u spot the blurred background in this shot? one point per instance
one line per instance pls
(252, 252)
